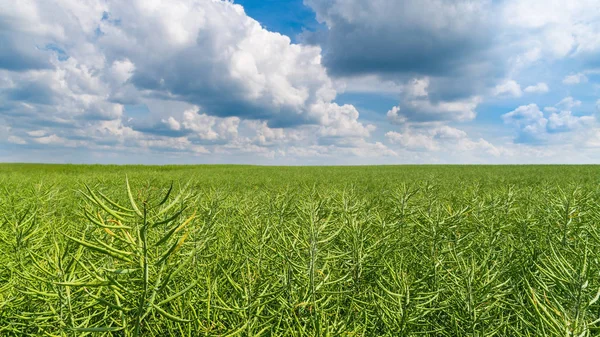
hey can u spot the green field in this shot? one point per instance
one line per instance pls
(299, 251)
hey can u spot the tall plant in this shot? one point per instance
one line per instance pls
(131, 257)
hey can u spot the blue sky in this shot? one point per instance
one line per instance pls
(287, 17)
(293, 82)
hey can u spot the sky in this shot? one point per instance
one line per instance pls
(300, 82)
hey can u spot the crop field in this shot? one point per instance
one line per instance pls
(299, 251)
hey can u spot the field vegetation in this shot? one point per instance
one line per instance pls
(299, 251)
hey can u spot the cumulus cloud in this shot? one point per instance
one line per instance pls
(202, 77)
(360, 148)
(200, 66)
(575, 79)
(430, 37)
(533, 126)
(450, 44)
(208, 127)
(508, 88)
(565, 28)
(465, 49)
(341, 121)
(36, 133)
(530, 122)
(266, 136)
(568, 103)
(412, 141)
(16, 140)
(395, 117)
(211, 54)
(540, 88)
(440, 138)
(455, 53)
(416, 106)
(566, 121)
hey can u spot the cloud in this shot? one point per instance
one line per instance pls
(341, 121)
(416, 106)
(540, 88)
(440, 138)
(360, 149)
(16, 140)
(417, 141)
(369, 84)
(575, 79)
(564, 28)
(394, 116)
(460, 52)
(266, 136)
(211, 54)
(530, 122)
(208, 127)
(426, 37)
(565, 121)
(536, 128)
(172, 123)
(201, 67)
(568, 103)
(194, 78)
(508, 88)
(389, 45)
(36, 133)
(465, 49)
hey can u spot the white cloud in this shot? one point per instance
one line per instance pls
(412, 141)
(172, 123)
(534, 127)
(441, 138)
(122, 70)
(173, 144)
(340, 121)
(210, 127)
(417, 106)
(530, 122)
(369, 84)
(16, 140)
(539, 88)
(523, 115)
(266, 136)
(575, 79)
(568, 103)
(211, 54)
(460, 110)
(508, 88)
(207, 56)
(564, 27)
(37, 133)
(51, 139)
(360, 149)
(565, 121)
(201, 77)
(393, 115)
